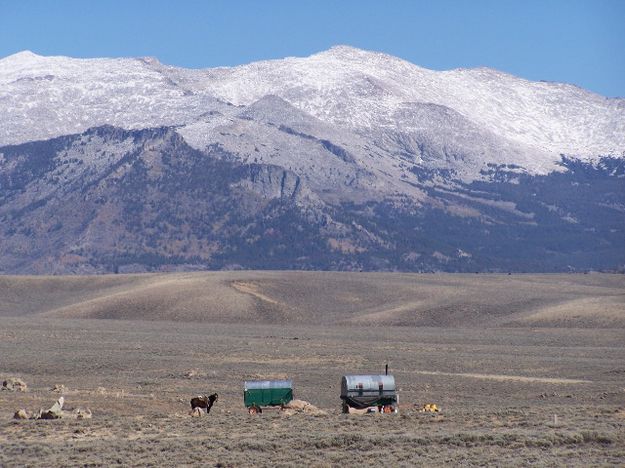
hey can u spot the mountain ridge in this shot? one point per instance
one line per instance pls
(374, 73)
(111, 200)
(344, 160)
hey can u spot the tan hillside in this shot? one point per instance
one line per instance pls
(324, 298)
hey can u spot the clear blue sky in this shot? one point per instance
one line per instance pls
(579, 42)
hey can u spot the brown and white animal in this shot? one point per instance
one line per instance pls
(203, 401)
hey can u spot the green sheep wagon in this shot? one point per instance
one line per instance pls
(259, 393)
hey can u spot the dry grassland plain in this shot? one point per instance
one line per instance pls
(527, 369)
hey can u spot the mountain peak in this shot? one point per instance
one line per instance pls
(351, 53)
(150, 60)
(347, 49)
(24, 55)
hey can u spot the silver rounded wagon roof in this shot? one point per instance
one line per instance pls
(367, 383)
(264, 384)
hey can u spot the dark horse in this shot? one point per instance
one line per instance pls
(204, 401)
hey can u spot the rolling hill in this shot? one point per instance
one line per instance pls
(326, 299)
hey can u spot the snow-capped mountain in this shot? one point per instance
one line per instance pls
(363, 91)
(347, 159)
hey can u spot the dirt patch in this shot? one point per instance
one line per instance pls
(254, 290)
(508, 378)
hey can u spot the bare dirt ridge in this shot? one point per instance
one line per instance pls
(325, 298)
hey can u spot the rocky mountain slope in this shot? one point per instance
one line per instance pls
(347, 159)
